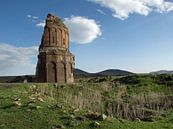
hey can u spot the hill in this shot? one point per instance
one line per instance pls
(109, 72)
(77, 74)
(162, 72)
(80, 73)
(19, 79)
(114, 72)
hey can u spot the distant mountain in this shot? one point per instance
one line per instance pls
(81, 73)
(109, 72)
(77, 74)
(114, 72)
(11, 79)
(162, 72)
(4, 79)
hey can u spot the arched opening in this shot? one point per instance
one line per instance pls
(69, 71)
(54, 36)
(51, 72)
(61, 75)
(58, 37)
(46, 36)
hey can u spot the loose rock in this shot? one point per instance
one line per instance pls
(95, 124)
(103, 117)
(58, 127)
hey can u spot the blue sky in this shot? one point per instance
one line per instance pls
(135, 36)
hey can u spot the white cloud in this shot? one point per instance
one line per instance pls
(17, 60)
(123, 8)
(101, 11)
(29, 16)
(35, 17)
(82, 30)
(40, 24)
(36, 20)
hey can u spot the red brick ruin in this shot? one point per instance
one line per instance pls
(55, 62)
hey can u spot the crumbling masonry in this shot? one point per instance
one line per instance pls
(55, 62)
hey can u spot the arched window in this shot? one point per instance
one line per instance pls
(61, 75)
(54, 36)
(46, 36)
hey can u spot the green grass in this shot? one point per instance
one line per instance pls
(62, 104)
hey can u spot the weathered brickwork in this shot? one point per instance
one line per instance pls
(55, 62)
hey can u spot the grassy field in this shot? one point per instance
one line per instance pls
(133, 102)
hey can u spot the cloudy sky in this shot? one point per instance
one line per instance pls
(134, 35)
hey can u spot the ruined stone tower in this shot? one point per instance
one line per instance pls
(55, 62)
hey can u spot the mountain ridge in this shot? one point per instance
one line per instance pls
(162, 72)
(107, 72)
(77, 74)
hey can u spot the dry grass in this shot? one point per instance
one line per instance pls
(116, 102)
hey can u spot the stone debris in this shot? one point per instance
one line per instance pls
(103, 116)
(31, 98)
(137, 120)
(17, 102)
(95, 124)
(17, 99)
(38, 107)
(58, 127)
(40, 99)
(76, 110)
